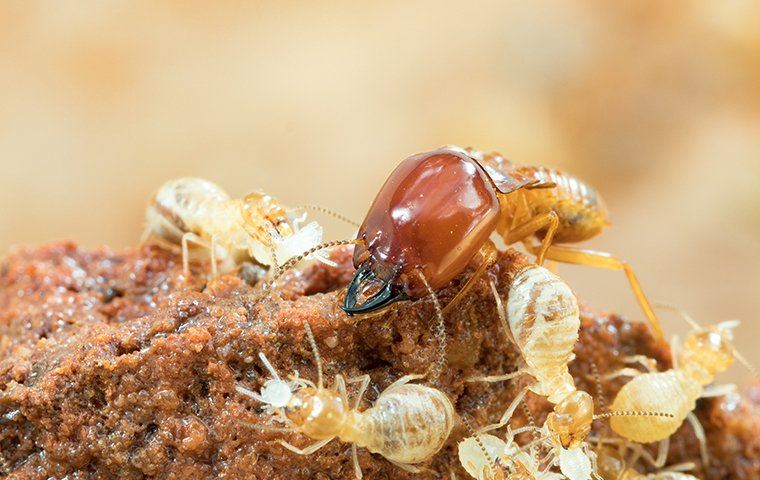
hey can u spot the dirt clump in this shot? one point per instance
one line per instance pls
(114, 366)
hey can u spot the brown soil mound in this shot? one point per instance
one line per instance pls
(113, 366)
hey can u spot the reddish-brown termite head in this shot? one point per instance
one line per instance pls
(432, 215)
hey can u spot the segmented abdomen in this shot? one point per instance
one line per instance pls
(581, 210)
(407, 424)
(187, 202)
(544, 319)
(664, 392)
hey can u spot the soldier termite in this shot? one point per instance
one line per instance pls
(543, 319)
(407, 424)
(437, 210)
(193, 210)
(705, 352)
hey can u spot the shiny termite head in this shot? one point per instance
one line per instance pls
(432, 215)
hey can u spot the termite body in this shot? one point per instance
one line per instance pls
(407, 424)
(194, 210)
(437, 210)
(543, 319)
(487, 457)
(611, 464)
(704, 353)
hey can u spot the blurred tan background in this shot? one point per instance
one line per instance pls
(656, 103)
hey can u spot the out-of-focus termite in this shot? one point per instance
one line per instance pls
(407, 424)
(705, 352)
(193, 210)
(543, 318)
(437, 209)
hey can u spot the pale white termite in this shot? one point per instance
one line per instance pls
(543, 319)
(407, 425)
(194, 210)
(705, 352)
(612, 464)
(487, 457)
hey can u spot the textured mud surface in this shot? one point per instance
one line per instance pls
(114, 366)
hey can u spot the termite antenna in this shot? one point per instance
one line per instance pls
(476, 437)
(633, 413)
(688, 318)
(743, 360)
(600, 396)
(314, 350)
(294, 261)
(500, 310)
(249, 393)
(269, 366)
(327, 211)
(440, 331)
(264, 428)
(531, 423)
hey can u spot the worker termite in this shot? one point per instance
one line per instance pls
(705, 352)
(437, 210)
(615, 464)
(487, 457)
(193, 210)
(407, 425)
(543, 318)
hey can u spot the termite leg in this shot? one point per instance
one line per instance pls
(647, 362)
(355, 460)
(549, 220)
(186, 239)
(308, 450)
(674, 351)
(497, 378)
(623, 372)
(507, 414)
(487, 254)
(718, 390)
(605, 260)
(213, 257)
(501, 311)
(406, 467)
(363, 380)
(700, 434)
(405, 379)
(147, 233)
(340, 384)
(662, 452)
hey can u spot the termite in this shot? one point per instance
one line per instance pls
(487, 457)
(194, 210)
(612, 464)
(705, 352)
(436, 212)
(543, 319)
(407, 425)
